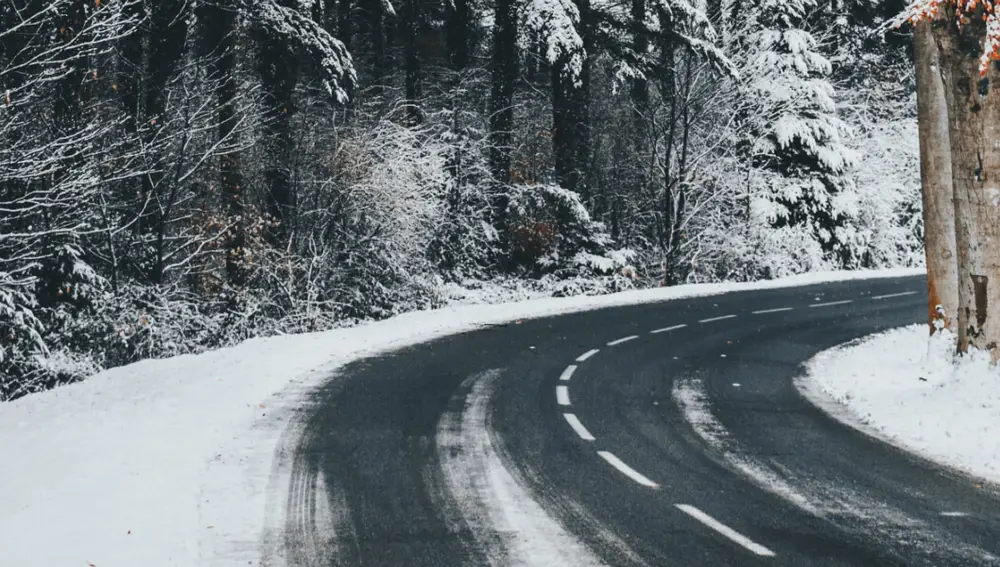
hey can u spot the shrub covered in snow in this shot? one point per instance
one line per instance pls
(552, 233)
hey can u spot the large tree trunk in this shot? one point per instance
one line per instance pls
(974, 127)
(935, 179)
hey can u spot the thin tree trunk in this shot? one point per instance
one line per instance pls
(278, 69)
(935, 179)
(167, 36)
(570, 127)
(380, 63)
(504, 73)
(219, 37)
(714, 12)
(459, 33)
(640, 85)
(344, 27)
(231, 165)
(974, 127)
(413, 79)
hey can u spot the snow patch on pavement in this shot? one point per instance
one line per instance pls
(689, 394)
(837, 503)
(171, 462)
(903, 386)
(512, 529)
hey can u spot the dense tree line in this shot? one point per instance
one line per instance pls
(180, 174)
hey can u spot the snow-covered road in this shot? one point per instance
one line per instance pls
(170, 462)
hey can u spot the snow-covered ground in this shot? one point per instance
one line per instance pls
(179, 461)
(903, 387)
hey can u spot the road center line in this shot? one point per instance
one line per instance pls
(724, 317)
(568, 373)
(905, 293)
(832, 303)
(627, 470)
(778, 310)
(587, 355)
(665, 329)
(562, 395)
(578, 427)
(623, 340)
(725, 530)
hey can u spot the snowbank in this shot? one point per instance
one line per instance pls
(903, 387)
(170, 462)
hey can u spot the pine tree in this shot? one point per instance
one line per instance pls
(800, 139)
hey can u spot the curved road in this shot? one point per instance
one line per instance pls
(664, 434)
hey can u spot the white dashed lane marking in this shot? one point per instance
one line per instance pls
(562, 395)
(623, 340)
(627, 470)
(954, 514)
(578, 427)
(905, 293)
(725, 530)
(713, 319)
(568, 373)
(832, 303)
(778, 310)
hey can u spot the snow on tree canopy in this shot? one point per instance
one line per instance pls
(691, 27)
(801, 141)
(555, 22)
(965, 12)
(332, 56)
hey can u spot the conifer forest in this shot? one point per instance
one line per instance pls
(179, 175)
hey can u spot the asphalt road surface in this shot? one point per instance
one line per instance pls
(664, 434)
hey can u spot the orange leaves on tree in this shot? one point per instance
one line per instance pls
(965, 11)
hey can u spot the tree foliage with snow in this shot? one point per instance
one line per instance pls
(176, 175)
(801, 141)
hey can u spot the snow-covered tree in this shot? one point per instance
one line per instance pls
(800, 139)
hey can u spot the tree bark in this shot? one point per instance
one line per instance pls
(640, 86)
(459, 33)
(974, 129)
(376, 29)
(413, 80)
(571, 113)
(278, 67)
(344, 28)
(714, 13)
(936, 184)
(219, 27)
(504, 73)
(167, 36)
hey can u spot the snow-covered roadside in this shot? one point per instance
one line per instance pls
(168, 462)
(902, 387)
